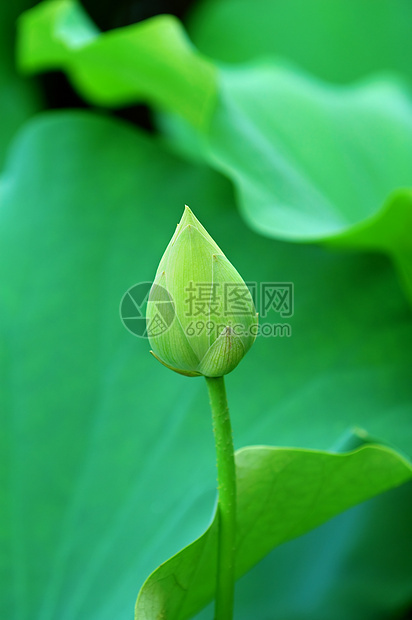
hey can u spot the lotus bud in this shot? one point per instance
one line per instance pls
(200, 316)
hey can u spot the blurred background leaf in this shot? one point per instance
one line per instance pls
(107, 474)
(87, 205)
(338, 41)
(309, 160)
(151, 61)
(19, 98)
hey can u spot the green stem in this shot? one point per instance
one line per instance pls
(226, 477)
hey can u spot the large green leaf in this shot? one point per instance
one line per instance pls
(282, 493)
(355, 566)
(341, 40)
(310, 160)
(108, 458)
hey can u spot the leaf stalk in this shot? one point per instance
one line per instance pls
(226, 508)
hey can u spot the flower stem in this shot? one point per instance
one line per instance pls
(226, 478)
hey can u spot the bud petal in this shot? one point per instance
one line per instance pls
(223, 356)
(173, 346)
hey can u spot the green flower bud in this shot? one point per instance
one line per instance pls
(207, 310)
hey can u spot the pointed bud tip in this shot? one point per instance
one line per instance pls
(187, 212)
